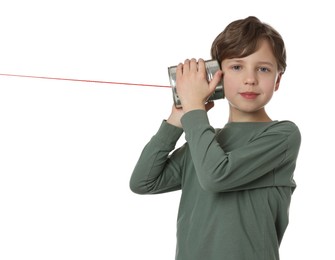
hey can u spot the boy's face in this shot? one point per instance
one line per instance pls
(250, 82)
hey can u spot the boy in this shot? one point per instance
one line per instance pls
(237, 181)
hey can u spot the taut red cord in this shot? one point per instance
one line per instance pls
(84, 80)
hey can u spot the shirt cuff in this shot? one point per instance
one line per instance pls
(194, 118)
(168, 134)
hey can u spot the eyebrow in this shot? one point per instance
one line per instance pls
(259, 62)
(267, 63)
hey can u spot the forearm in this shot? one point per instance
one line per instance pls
(219, 170)
(151, 173)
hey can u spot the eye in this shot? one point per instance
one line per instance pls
(264, 69)
(236, 67)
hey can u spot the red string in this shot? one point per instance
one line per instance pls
(84, 80)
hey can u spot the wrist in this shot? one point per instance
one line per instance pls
(190, 107)
(173, 121)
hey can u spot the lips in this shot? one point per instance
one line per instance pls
(249, 95)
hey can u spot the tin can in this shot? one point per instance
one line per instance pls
(212, 66)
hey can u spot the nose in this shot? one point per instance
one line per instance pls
(250, 78)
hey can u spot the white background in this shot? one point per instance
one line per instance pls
(67, 149)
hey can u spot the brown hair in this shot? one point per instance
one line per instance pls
(241, 37)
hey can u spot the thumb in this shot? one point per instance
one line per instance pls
(215, 81)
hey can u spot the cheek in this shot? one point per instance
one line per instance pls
(270, 86)
(230, 86)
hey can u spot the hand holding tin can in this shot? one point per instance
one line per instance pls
(211, 66)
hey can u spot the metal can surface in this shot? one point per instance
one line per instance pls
(212, 66)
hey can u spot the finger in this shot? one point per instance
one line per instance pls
(186, 66)
(215, 81)
(179, 70)
(202, 66)
(193, 65)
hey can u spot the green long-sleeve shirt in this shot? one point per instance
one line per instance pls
(236, 185)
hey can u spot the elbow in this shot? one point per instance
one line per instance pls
(137, 188)
(210, 184)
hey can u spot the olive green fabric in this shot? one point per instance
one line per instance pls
(236, 185)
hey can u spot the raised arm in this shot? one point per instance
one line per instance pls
(156, 170)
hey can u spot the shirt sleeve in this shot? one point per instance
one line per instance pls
(253, 165)
(156, 170)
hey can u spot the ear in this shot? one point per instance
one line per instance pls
(278, 81)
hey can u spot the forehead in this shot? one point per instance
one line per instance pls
(264, 46)
(263, 53)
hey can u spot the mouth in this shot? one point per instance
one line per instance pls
(249, 95)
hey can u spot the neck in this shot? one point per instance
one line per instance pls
(257, 116)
